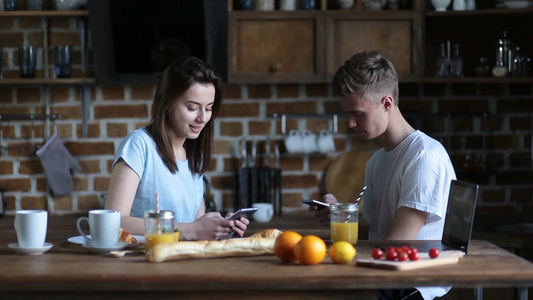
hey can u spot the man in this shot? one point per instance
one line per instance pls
(408, 180)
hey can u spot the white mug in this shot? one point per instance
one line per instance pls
(325, 141)
(30, 226)
(104, 225)
(309, 141)
(294, 142)
(264, 212)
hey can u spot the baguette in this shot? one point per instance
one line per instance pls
(255, 245)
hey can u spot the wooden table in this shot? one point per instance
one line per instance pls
(68, 271)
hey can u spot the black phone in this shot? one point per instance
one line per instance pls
(243, 212)
(315, 202)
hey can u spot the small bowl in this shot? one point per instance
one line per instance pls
(70, 4)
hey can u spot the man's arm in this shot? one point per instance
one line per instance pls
(406, 224)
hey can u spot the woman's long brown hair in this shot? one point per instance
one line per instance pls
(174, 82)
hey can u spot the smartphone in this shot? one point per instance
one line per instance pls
(243, 212)
(315, 202)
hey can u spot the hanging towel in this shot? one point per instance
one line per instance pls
(58, 165)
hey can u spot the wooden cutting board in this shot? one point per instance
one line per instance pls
(345, 176)
(445, 258)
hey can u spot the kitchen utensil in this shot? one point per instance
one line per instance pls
(254, 176)
(242, 179)
(277, 184)
(266, 176)
(124, 252)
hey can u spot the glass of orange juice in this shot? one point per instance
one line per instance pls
(344, 222)
(158, 227)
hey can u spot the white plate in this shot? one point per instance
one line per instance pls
(30, 251)
(104, 250)
(81, 240)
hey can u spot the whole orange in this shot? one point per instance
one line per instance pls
(285, 243)
(310, 250)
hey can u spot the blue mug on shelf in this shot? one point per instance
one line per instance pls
(309, 4)
(11, 5)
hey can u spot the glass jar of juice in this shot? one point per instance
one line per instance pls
(344, 222)
(158, 227)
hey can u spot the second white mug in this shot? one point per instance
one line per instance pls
(104, 225)
(264, 213)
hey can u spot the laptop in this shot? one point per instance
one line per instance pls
(458, 222)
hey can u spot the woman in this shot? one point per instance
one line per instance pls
(170, 155)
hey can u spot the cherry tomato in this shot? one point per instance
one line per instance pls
(377, 253)
(399, 249)
(413, 249)
(403, 256)
(390, 249)
(434, 253)
(392, 255)
(406, 249)
(414, 256)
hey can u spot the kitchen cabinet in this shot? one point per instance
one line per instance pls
(276, 46)
(47, 80)
(396, 34)
(476, 32)
(308, 46)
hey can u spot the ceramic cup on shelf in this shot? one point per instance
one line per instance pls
(308, 4)
(287, 4)
(374, 4)
(264, 4)
(31, 226)
(247, 4)
(345, 4)
(441, 5)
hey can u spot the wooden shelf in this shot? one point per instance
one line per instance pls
(46, 81)
(480, 80)
(43, 13)
(480, 12)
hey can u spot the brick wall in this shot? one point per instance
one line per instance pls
(487, 129)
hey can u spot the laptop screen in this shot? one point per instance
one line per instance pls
(460, 214)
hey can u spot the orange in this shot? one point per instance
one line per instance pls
(310, 250)
(342, 252)
(285, 243)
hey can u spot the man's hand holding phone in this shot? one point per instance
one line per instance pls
(321, 208)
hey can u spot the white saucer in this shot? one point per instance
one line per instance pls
(30, 251)
(81, 240)
(104, 250)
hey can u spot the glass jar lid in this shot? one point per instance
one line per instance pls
(344, 207)
(162, 214)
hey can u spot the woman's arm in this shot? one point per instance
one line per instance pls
(120, 195)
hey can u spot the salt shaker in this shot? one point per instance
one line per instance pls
(344, 222)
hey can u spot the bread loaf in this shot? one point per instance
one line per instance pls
(258, 244)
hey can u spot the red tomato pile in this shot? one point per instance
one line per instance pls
(402, 253)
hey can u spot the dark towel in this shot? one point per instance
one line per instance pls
(58, 165)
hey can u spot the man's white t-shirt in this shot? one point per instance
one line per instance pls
(417, 174)
(181, 192)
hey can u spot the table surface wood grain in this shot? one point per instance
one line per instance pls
(69, 269)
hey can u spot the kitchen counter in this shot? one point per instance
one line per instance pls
(69, 271)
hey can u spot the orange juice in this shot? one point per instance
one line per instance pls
(154, 239)
(348, 232)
